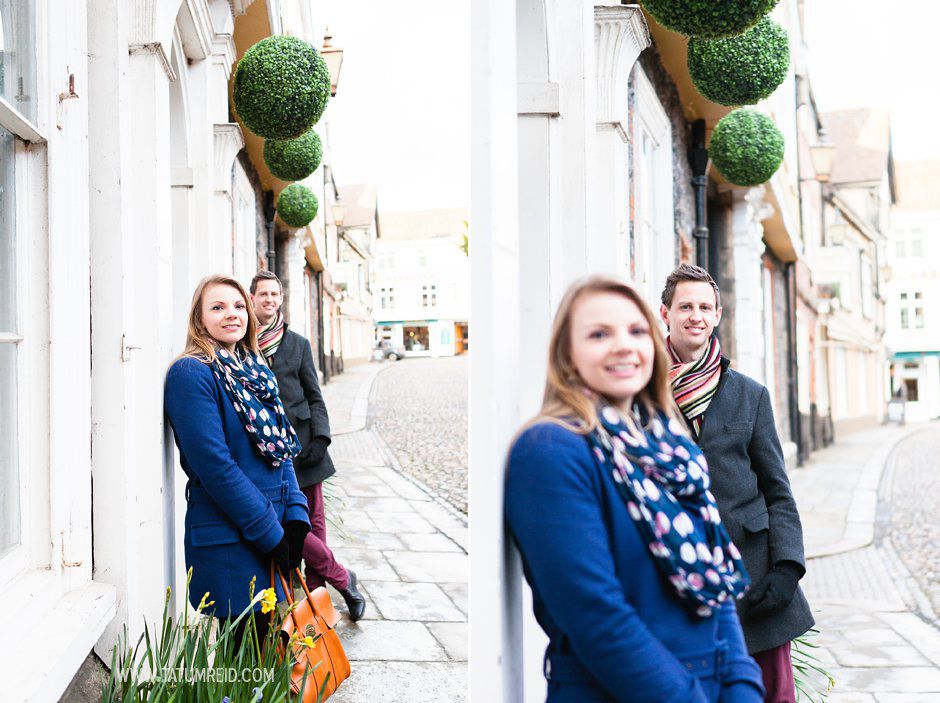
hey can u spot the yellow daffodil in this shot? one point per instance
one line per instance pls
(268, 600)
(204, 603)
(307, 641)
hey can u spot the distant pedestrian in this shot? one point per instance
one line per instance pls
(731, 417)
(291, 359)
(236, 447)
(633, 576)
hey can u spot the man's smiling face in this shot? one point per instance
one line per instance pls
(692, 317)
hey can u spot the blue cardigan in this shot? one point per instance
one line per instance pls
(617, 630)
(235, 501)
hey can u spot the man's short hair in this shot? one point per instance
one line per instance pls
(264, 275)
(688, 272)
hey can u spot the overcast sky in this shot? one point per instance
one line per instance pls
(401, 119)
(875, 53)
(401, 116)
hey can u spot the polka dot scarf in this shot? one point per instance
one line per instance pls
(663, 477)
(252, 388)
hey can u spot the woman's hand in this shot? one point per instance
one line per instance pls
(281, 554)
(295, 531)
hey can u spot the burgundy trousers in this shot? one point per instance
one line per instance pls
(321, 565)
(777, 671)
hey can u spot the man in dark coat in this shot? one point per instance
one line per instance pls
(731, 418)
(289, 356)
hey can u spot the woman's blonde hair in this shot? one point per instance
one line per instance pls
(202, 345)
(564, 397)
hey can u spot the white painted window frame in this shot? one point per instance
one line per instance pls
(658, 256)
(17, 559)
(30, 182)
(243, 205)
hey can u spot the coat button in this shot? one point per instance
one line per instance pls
(689, 667)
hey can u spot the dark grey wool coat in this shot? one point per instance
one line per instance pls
(303, 402)
(750, 484)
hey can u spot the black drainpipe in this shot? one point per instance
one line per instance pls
(698, 160)
(792, 387)
(269, 224)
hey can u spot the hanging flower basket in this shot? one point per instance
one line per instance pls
(281, 87)
(746, 147)
(708, 19)
(297, 205)
(741, 70)
(293, 159)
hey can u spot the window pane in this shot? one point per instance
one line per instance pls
(900, 249)
(7, 233)
(917, 248)
(17, 55)
(9, 471)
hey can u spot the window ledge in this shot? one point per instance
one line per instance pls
(44, 638)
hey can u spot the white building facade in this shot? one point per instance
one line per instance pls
(422, 296)
(121, 186)
(353, 269)
(849, 266)
(912, 336)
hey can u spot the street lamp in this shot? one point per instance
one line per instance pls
(334, 59)
(338, 211)
(821, 154)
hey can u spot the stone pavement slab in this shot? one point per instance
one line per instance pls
(453, 637)
(398, 600)
(440, 567)
(404, 682)
(386, 640)
(347, 396)
(458, 594)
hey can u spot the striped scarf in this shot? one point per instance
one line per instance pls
(695, 384)
(269, 338)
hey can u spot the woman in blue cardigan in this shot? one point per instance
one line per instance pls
(633, 575)
(243, 505)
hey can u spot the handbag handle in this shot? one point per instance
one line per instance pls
(288, 587)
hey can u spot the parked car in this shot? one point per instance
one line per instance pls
(386, 350)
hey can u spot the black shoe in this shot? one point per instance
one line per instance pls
(355, 601)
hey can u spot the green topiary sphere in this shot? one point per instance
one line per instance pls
(746, 147)
(708, 19)
(297, 205)
(741, 70)
(293, 159)
(281, 87)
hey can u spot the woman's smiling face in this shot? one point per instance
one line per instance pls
(611, 346)
(225, 314)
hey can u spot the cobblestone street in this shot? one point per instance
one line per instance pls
(865, 501)
(419, 407)
(909, 512)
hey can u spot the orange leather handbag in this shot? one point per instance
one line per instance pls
(324, 665)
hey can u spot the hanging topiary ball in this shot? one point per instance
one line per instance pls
(281, 87)
(741, 70)
(746, 147)
(293, 159)
(297, 205)
(708, 19)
